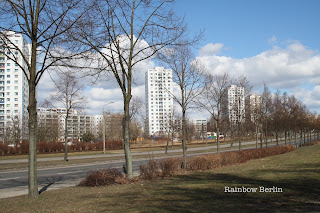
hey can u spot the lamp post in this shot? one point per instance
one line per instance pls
(104, 128)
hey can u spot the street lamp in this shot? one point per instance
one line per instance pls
(104, 128)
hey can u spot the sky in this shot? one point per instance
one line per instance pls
(271, 41)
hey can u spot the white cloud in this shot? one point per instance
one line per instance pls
(287, 68)
(279, 67)
(210, 49)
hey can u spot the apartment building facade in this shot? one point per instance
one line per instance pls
(14, 89)
(77, 125)
(236, 104)
(159, 101)
(255, 107)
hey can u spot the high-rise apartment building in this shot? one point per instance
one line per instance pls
(14, 90)
(53, 119)
(255, 106)
(159, 101)
(236, 104)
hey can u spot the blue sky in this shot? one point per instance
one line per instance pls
(245, 26)
(268, 41)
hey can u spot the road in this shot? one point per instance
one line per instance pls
(14, 183)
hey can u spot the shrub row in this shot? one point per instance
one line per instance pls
(102, 178)
(206, 162)
(311, 143)
(171, 166)
(48, 147)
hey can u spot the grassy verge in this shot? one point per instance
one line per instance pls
(61, 163)
(297, 173)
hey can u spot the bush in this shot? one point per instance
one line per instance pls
(24, 148)
(103, 178)
(114, 144)
(150, 171)
(170, 166)
(206, 162)
(311, 143)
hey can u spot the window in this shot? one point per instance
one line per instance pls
(16, 87)
(8, 93)
(8, 76)
(8, 70)
(15, 99)
(8, 64)
(16, 70)
(8, 87)
(16, 105)
(15, 111)
(8, 99)
(16, 76)
(8, 82)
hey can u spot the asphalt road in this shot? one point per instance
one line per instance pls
(14, 183)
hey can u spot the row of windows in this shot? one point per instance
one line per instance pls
(15, 105)
(16, 76)
(161, 110)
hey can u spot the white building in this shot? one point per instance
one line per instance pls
(255, 105)
(159, 101)
(236, 104)
(200, 126)
(77, 124)
(14, 89)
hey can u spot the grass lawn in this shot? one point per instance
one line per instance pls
(297, 173)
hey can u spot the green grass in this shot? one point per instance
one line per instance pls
(62, 163)
(297, 173)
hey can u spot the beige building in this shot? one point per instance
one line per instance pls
(54, 119)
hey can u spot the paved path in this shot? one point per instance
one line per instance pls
(122, 155)
(14, 183)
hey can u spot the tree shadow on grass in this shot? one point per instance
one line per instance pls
(204, 192)
(49, 183)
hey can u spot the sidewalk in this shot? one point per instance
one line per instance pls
(122, 155)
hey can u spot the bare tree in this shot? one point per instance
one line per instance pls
(124, 33)
(188, 75)
(266, 106)
(68, 93)
(243, 82)
(170, 127)
(43, 23)
(213, 98)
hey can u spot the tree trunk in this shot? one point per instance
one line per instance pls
(218, 139)
(285, 137)
(231, 136)
(172, 136)
(126, 137)
(166, 152)
(289, 136)
(256, 136)
(261, 136)
(184, 140)
(295, 138)
(239, 135)
(266, 135)
(66, 138)
(32, 109)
